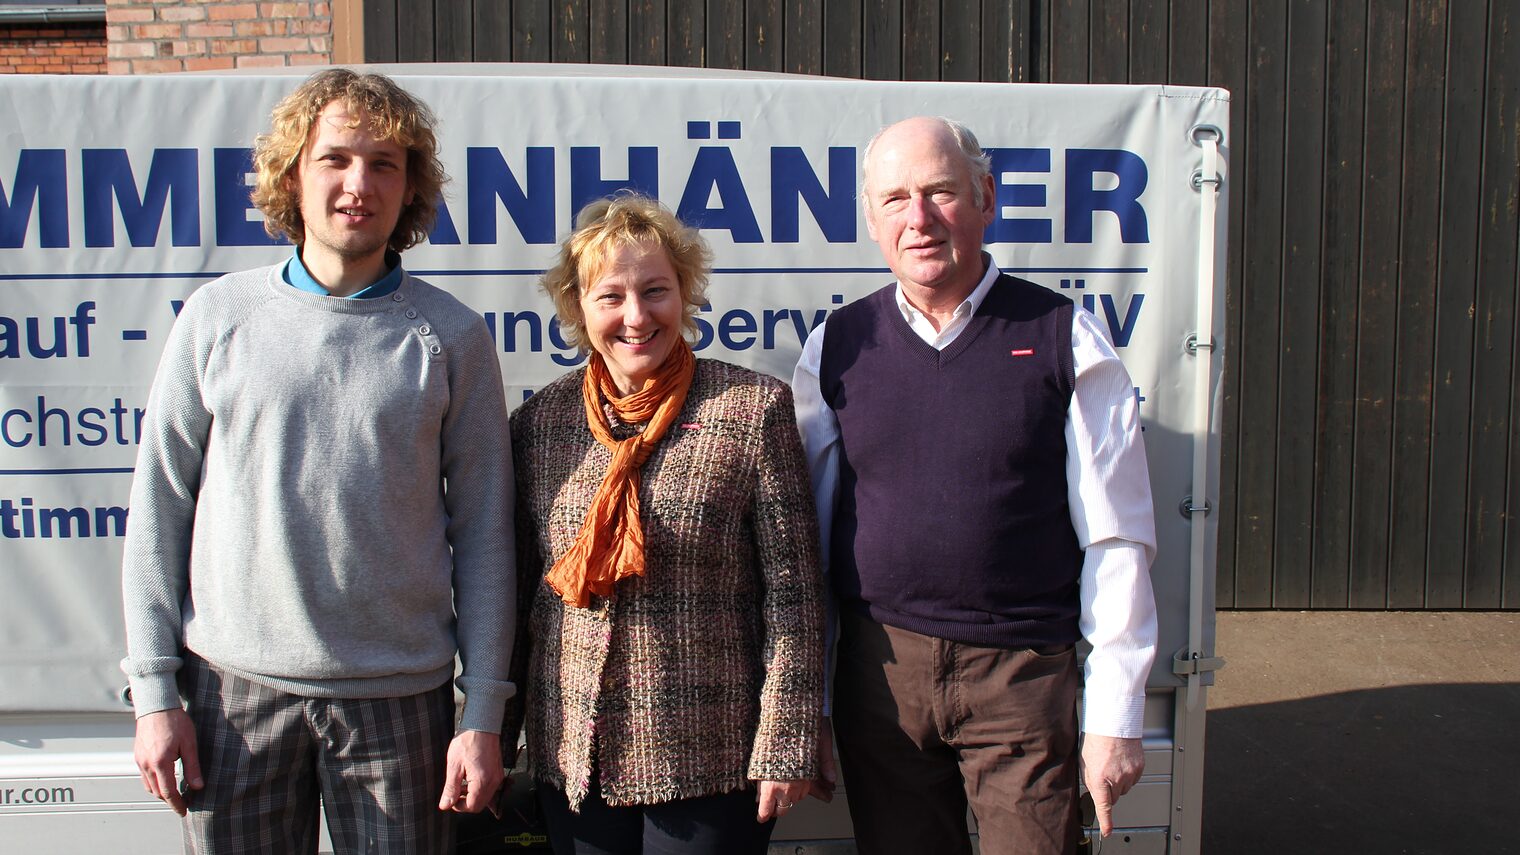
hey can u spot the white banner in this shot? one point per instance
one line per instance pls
(120, 195)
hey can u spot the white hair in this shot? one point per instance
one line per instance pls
(978, 162)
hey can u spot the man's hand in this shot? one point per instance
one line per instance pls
(822, 787)
(162, 738)
(474, 772)
(1110, 766)
(778, 797)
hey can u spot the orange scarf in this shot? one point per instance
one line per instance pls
(611, 543)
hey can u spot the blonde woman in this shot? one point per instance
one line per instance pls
(668, 548)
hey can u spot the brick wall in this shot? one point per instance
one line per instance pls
(53, 48)
(197, 35)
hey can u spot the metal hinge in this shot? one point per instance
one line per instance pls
(1185, 663)
(1187, 508)
(1192, 345)
(1198, 180)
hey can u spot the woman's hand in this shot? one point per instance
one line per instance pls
(822, 787)
(778, 797)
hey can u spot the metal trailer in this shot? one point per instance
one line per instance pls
(67, 781)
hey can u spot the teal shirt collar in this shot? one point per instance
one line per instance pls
(296, 275)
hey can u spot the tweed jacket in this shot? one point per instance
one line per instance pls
(706, 672)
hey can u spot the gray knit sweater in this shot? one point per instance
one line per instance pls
(322, 485)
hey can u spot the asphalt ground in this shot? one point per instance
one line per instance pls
(1364, 732)
(1339, 732)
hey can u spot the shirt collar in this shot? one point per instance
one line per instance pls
(968, 306)
(297, 276)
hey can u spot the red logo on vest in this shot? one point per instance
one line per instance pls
(1025, 351)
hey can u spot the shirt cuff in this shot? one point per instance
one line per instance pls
(1122, 717)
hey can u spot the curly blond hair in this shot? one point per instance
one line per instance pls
(603, 227)
(393, 115)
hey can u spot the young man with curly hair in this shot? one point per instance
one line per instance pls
(321, 513)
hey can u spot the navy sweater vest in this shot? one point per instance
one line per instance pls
(952, 518)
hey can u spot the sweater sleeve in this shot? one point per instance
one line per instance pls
(478, 496)
(786, 534)
(530, 569)
(155, 572)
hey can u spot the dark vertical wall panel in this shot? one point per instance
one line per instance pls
(763, 35)
(1334, 476)
(1039, 40)
(452, 26)
(1187, 38)
(920, 40)
(491, 33)
(1109, 37)
(687, 27)
(1261, 306)
(883, 40)
(1378, 309)
(1149, 30)
(1004, 45)
(1494, 377)
(725, 35)
(379, 30)
(646, 32)
(1510, 583)
(1371, 279)
(609, 31)
(1504, 93)
(1421, 466)
(1443, 443)
(960, 41)
(1298, 351)
(1069, 41)
(532, 23)
(571, 35)
(1510, 592)
(414, 40)
(843, 32)
(1228, 61)
(803, 51)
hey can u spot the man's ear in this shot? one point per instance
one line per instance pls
(989, 200)
(870, 220)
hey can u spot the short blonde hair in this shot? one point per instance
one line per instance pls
(607, 225)
(394, 115)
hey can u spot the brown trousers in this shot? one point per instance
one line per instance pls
(927, 726)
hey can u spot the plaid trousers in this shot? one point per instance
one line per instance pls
(375, 765)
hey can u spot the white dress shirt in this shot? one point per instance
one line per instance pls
(1108, 488)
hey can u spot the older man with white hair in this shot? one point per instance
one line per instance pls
(985, 503)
